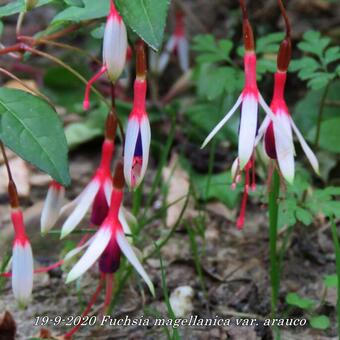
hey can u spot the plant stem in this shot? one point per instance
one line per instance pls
(320, 115)
(274, 265)
(337, 262)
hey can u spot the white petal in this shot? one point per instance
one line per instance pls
(85, 200)
(146, 138)
(114, 47)
(248, 126)
(132, 131)
(100, 241)
(77, 250)
(108, 191)
(52, 206)
(308, 151)
(125, 247)
(183, 54)
(165, 56)
(262, 129)
(22, 272)
(234, 168)
(222, 122)
(284, 146)
(123, 221)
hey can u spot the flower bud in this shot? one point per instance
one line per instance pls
(114, 44)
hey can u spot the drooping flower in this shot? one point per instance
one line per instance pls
(138, 134)
(250, 99)
(177, 43)
(51, 209)
(115, 48)
(22, 261)
(278, 137)
(110, 241)
(98, 192)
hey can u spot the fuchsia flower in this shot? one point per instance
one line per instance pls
(138, 134)
(109, 241)
(178, 43)
(97, 192)
(277, 145)
(250, 98)
(51, 209)
(22, 261)
(115, 49)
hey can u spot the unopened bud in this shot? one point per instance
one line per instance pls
(111, 126)
(118, 177)
(248, 36)
(284, 55)
(140, 60)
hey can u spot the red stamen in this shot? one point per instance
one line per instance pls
(108, 293)
(86, 103)
(87, 309)
(253, 184)
(240, 220)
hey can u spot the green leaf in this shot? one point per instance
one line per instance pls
(269, 43)
(314, 43)
(145, 17)
(90, 10)
(319, 322)
(304, 216)
(294, 299)
(18, 6)
(211, 51)
(329, 134)
(306, 111)
(32, 129)
(320, 80)
(219, 188)
(332, 54)
(330, 281)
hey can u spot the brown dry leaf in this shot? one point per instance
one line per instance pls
(31, 84)
(178, 189)
(7, 327)
(220, 209)
(21, 175)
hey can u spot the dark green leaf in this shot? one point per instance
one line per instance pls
(329, 134)
(33, 130)
(145, 17)
(90, 10)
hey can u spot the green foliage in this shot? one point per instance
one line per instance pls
(316, 68)
(89, 10)
(211, 51)
(294, 299)
(147, 18)
(319, 322)
(18, 6)
(27, 123)
(301, 203)
(219, 188)
(330, 281)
